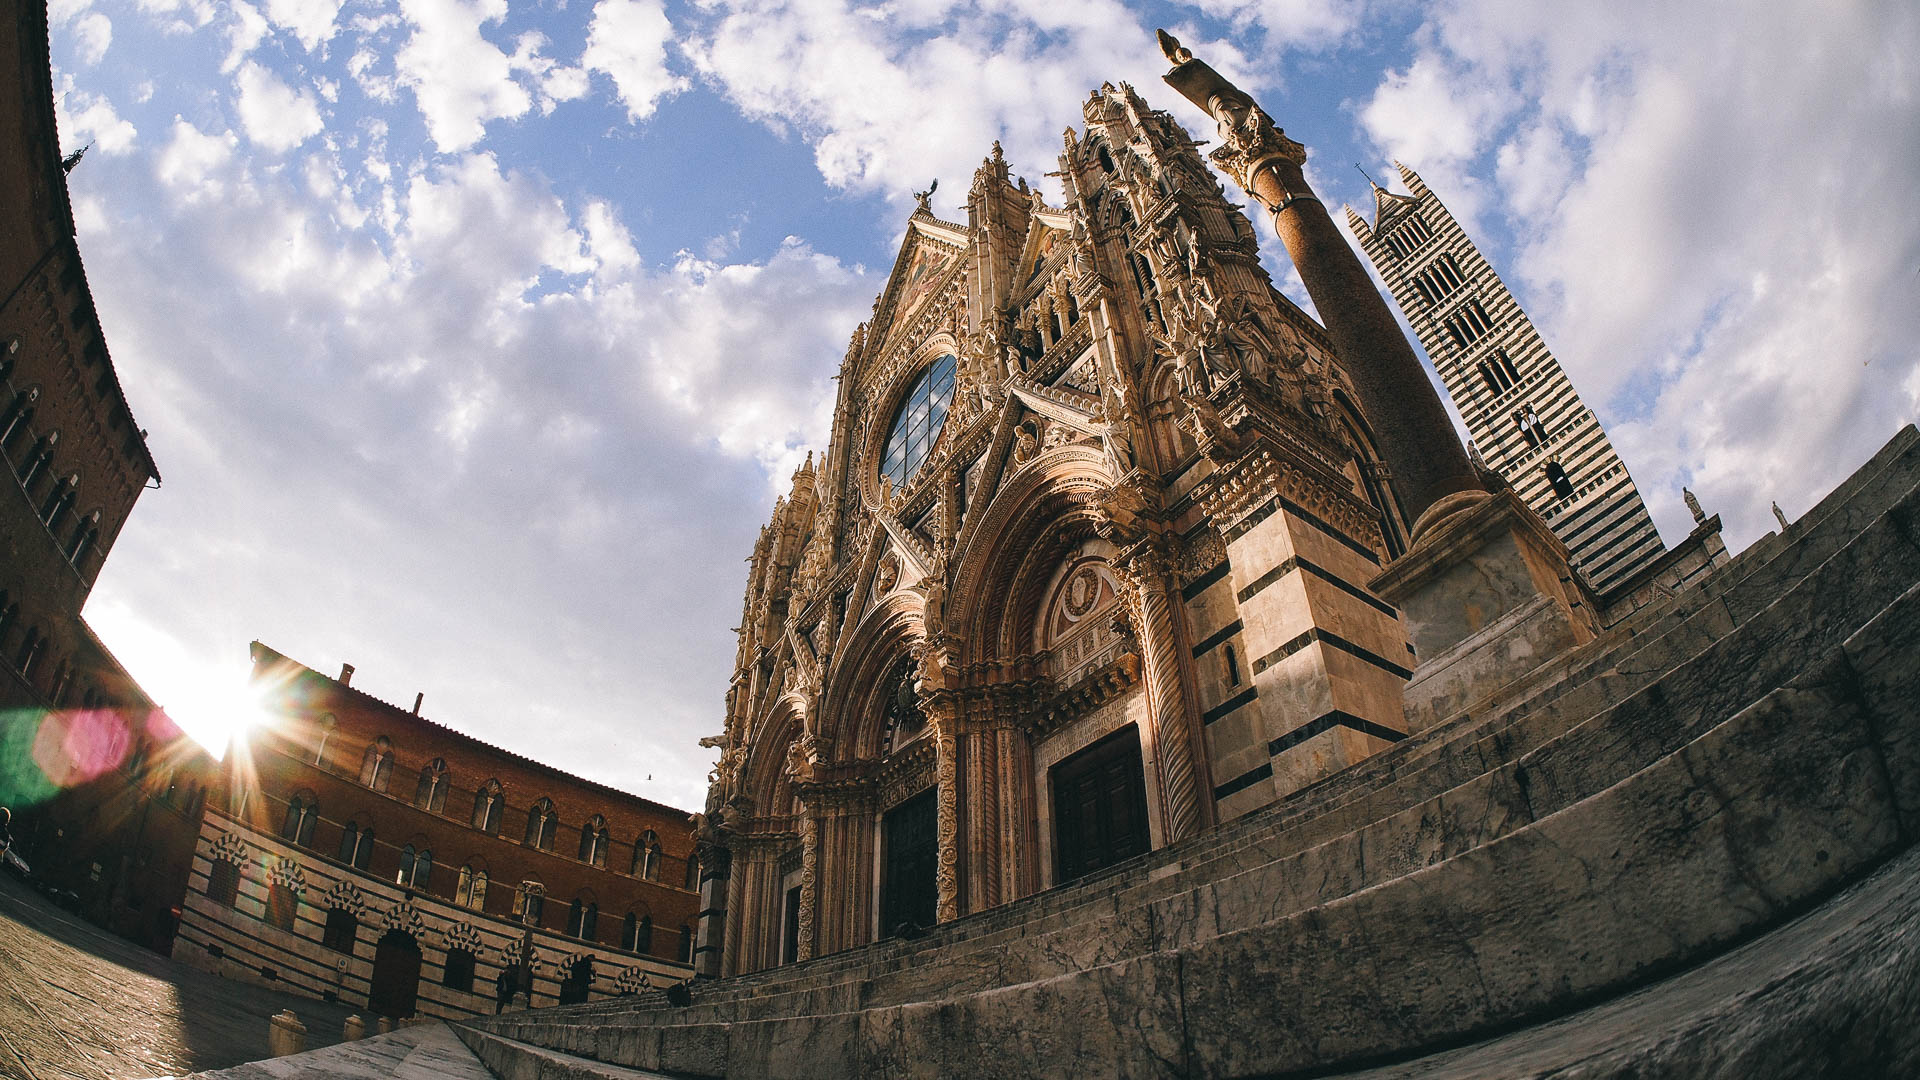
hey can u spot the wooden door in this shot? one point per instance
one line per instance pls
(1099, 806)
(909, 889)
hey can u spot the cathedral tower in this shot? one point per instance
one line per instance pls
(1522, 412)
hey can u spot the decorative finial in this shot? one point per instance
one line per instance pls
(1693, 506)
(1176, 52)
(1779, 515)
(925, 198)
(67, 163)
(1370, 179)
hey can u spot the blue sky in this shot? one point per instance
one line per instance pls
(476, 337)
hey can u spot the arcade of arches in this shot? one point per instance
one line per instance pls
(1081, 573)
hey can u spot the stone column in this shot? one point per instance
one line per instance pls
(947, 812)
(715, 871)
(1415, 435)
(809, 874)
(1150, 578)
(983, 825)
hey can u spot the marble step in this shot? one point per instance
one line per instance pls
(512, 1060)
(1731, 834)
(1096, 912)
(1402, 844)
(803, 980)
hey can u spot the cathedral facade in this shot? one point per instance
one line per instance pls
(1082, 572)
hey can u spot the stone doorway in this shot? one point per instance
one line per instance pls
(396, 975)
(909, 887)
(1099, 806)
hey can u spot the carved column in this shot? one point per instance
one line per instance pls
(809, 870)
(947, 810)
(1149, 572)
(983, 824)
(1416, 438)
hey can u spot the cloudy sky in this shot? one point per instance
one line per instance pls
(476, 337)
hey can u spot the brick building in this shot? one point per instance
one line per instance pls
(358, 851)
(104, 788)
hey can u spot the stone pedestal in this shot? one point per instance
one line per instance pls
(286, 1035)
(1487, 594)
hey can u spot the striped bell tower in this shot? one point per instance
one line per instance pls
(1521, 411)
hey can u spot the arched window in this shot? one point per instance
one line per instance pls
(376, 765)
(540, 825)
(486, 807)
(636, 933)
(530, 902)
(29, 652)
(327, 726)
(593, 841)
(85, 535)
(917, 423)
(342, 927)
(646, 857)
(693, 872)
(416, 869)
(471, 891)
(431, 792)
(282, 905)
(60, 501)
(223, 882)
(583, 919)
(303, 810)
(38, 460)
(353, 839)
(685, 955)
(1562, 483)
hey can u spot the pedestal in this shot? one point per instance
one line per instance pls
(1487, 595)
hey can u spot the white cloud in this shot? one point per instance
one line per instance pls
(628, 40)
(1708, 237)
(92, 33)
(274, 115)
(87, 118)
(192, 160)
(459, 78)
(244, 34)
(311, 21)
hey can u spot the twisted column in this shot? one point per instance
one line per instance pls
(1148, 569)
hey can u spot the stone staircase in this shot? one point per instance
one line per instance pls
(1705, 770)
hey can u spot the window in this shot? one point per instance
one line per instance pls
(1468, 324)
(530, 902)
(1439, 280)
(302, 811)
(646, 857)
(486, 807)
(281, 904)
(1233, 665)
(29, 654)
(60, 502)
(593, 841)
(431, 792)
(458, 971)
(472, 888)
(636, 933)
(342, 928)
(1406, 237)
(223, 882)
(1505, 363)
(376, 765)
(540, 825)
(1531, 429)
(1562, 483)
(583, 919)
(917, 423)
(327, 726)
(416, 869)
(693, 872)
(356, 845)
(685, 954)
